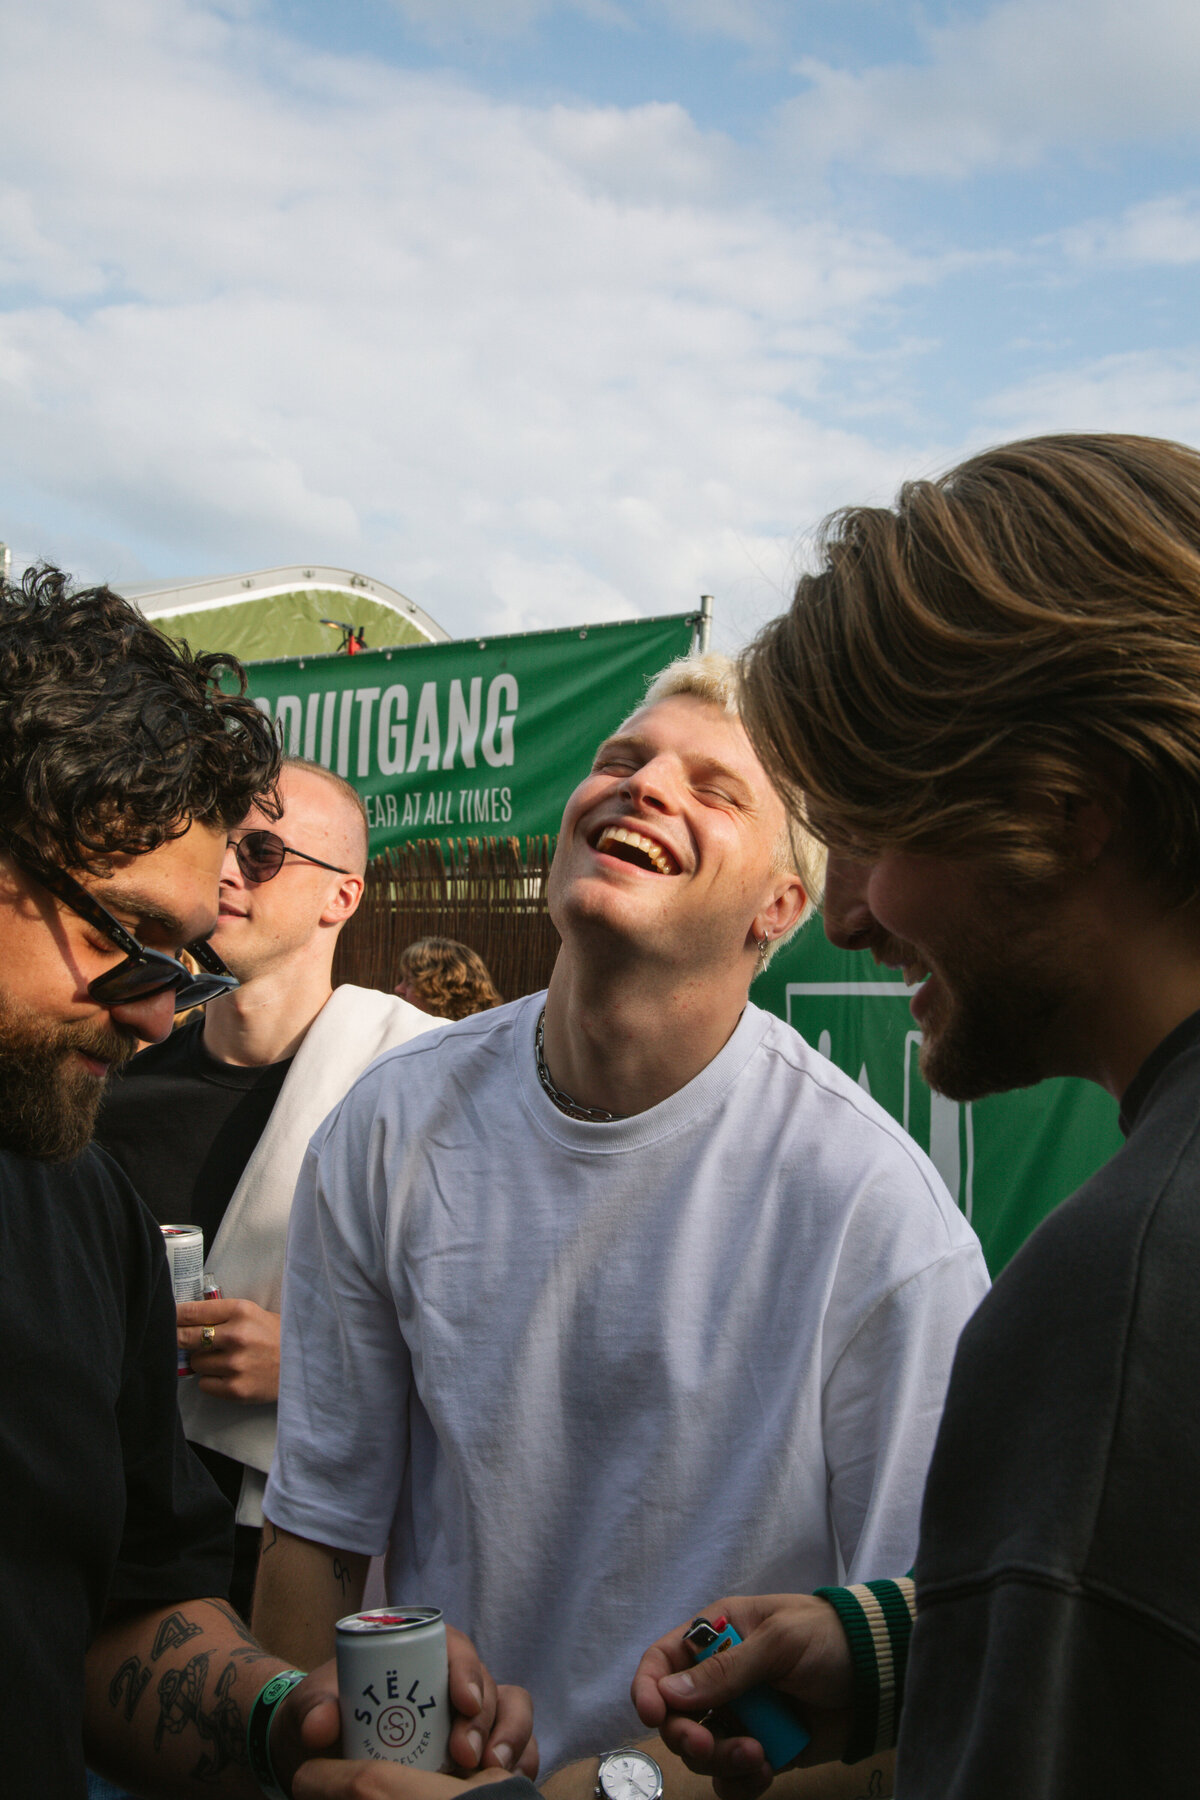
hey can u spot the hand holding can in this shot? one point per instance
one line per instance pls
(394, 1682)
(184, 1245)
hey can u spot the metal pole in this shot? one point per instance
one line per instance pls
(703, 627)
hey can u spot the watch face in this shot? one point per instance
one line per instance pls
(630, 1775)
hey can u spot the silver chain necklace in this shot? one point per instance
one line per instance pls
(595, 1115)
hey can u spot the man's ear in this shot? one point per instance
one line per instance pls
(344, 901)
(1089, 824)
(1085, 823)
(783, 911)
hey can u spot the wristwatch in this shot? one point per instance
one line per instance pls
(628, 1775)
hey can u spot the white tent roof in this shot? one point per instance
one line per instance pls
(162, 602)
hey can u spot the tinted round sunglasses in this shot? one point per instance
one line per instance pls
(260, 855)
(143, 972)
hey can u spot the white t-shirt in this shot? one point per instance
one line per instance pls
(585, 1378)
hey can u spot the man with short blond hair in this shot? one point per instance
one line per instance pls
(212, 1123)
(535, 1257)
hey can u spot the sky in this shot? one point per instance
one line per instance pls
(548, 312)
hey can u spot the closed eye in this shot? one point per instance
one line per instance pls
(95, 940)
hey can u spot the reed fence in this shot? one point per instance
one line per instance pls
(486, 892)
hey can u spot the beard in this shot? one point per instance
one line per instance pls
(997, 1016)
(981, 1044)
(48, 1103)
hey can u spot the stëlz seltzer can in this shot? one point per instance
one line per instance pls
(395, 1686)
(185, 1258)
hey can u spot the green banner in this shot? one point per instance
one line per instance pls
(1007, 1160)
(483, 737)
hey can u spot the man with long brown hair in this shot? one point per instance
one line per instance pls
(987, 703)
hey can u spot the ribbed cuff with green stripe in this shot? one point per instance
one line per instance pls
(877, 1618)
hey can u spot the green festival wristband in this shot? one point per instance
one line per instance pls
(258, 1729)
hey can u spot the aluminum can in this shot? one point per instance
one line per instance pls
(394, 1683)
(185, 1258)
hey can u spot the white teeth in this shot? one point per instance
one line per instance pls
(616, 834)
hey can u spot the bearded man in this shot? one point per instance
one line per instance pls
(123, 763)
(987, 701)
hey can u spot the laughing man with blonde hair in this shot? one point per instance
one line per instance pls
(619, 1294)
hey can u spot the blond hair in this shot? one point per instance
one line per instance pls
(715, 679)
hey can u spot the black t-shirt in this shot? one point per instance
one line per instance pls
(183, 1126)
(102, 1502)
(1057, 1646)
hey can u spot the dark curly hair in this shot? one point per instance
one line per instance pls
(112, 738)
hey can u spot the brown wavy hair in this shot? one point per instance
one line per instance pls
(112, 738)
(450, 979)
(1003, 637)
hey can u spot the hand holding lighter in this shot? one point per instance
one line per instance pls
(765, 1714)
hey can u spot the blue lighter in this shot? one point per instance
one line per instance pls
(764, 1713)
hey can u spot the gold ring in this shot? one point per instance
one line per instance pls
(209, 1334)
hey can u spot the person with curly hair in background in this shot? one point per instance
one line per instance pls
(445, 978)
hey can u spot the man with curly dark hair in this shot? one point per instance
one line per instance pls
(122, 765)
(123, 761)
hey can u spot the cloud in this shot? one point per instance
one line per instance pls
(754, 23)
(1004, 89)
(443, 22)
(1150, 392)
(1164, 231)
(269, 306)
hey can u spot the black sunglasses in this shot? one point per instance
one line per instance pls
(260, 856)
(144, 972)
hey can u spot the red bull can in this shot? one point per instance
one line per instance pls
(394, 1683)
(185, 1258)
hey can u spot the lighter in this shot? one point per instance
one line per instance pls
(765, 1714)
